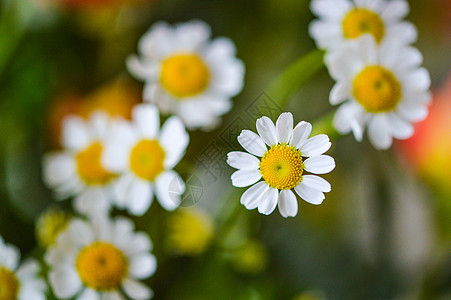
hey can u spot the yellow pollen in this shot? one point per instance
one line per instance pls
(376, 89)
(359, 21)
(282, 167)
(146, 159)
(9, 285)
(184, 75)
(90, 168)
(101, 266)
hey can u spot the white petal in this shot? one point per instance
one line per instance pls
(80, 233)
(400, 128)
(138, 243)
(368, 49)
(251, 197)
(89, 294)
(140, 197)
(113, 295)
(174, 139)
(350, 116)
(267, 131)
(300, 134)
(9, 257)
(93, 201)
(58, 167)
(284, 126)
(65, 283)
(142, 69)
(136, 290)
(142, 265)
(192, 34)
(75, 133)
(320, 164)
(317, 183)
(28, 269)
(252, 143)
(121, 190)
(288, 205)
(242, 178)
(395, 10)
(242, 160)
(403, 32)
(340, 92)
(147, 119)
(268, 201)
(169, 189)
(413, 112)
(316, 145)
(418, 80)
(116, 154)
(330, 9)
(379, 132)
(308, 194)
(327, 35)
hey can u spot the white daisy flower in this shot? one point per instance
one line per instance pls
(22, 281)
(187, 74)
(346, 20)
(145, 156)
(382, 87)
(282, 166)
(101, 259)
(78, 170)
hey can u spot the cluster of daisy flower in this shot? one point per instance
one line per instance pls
(379, 81)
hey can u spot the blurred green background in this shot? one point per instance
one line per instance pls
(384, 232)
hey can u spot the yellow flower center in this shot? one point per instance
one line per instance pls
(146, 159)
(184, 75)
(9, 285)
(101, 266)
(359, 21)
(376, 89)
(90, 168)
(282, 167)
(50, 224)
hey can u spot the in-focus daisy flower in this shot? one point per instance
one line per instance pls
(78, 170)
(190, 231)
(187, 74)
(19, 281)
(282, 166)
(145, 156)
(346, 20)
(49, 225)
(101, 259)
(382, 87)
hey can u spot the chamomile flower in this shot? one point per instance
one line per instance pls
(187, 74)
(291, 152)
(77, 170)
(22, 281)
(101, 259)
(145, 156)
(342, 21)
(383, 88)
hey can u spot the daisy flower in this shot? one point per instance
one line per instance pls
(291, 152)
(77, 170)
(382, 87)
(145, 156)
(101, 259)
(346, 20)
(187, 74)
(22, 281)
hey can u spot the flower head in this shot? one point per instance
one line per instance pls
(186, 74)
(100, 258)
(145, 156)
(282, 166)
(383, 87)
(19, 281)
(342, 21)
(78, 170)
(49, 225)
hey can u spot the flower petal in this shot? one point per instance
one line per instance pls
(320, 164)
(147, 120)
(169, 189)
(142, 265)
(340, 92)
(268, 201)
(288, 205)
(242, 178)
(400, 128)
(136, 290)
(317, 183)
(308, 194)
(284, 127)
(252, 143)
(174, 139)
(242, 160)
(300, 134)
(75, 133)
(267, 131)
(316, 145)
(379, 132)
(140, 197)
(395, 10)
(251, 197)
(65, 283)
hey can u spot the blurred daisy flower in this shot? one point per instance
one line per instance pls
(187, 74)
(49, 225)
(282, 166)
(145, 156)
(78, 170)
(22, 281)
(345, 20)
(100, 259)
(382, 87)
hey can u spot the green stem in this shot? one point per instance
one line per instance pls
(293, 77)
